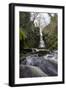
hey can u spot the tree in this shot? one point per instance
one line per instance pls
(50, 33)
(28, 36)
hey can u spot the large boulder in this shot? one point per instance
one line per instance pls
(30, 71)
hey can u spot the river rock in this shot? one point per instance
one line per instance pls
(31, 71)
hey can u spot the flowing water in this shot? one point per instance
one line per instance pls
(47, 63)
(39, 65)
(35, 59)
(42, 44)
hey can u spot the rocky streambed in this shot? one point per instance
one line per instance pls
(35, 65)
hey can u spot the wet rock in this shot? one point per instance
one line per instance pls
(30, 71)
(45, 63)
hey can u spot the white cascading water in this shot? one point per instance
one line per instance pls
(42, 44)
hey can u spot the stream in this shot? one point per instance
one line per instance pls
(36, 66)
(37, 63)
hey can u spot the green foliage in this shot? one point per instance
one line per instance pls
(24, 19)
(33, 38)
(50, 34)
(29, 34)
(22, 35)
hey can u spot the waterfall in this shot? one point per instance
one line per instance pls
(42, 44)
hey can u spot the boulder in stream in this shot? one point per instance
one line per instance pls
(31, 71)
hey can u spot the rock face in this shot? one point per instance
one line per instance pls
(30, 71)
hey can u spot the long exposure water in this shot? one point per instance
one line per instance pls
(47, 63)
(42, 44)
